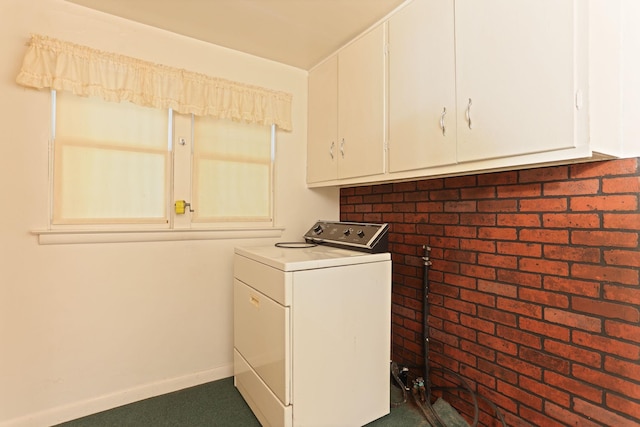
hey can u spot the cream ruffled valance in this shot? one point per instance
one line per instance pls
(64, 66)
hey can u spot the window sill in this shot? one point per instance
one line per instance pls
(65, 237)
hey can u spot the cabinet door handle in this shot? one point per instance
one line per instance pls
(468, 113)
(342, 148)
(333, 144)
(442, 126)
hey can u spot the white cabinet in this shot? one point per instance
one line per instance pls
(473, 80)
(422, 102)
(346, 112)
(520, 77)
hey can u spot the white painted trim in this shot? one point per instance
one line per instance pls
(53, 237)
(94, 405)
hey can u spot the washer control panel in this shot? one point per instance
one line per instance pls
(366, 237)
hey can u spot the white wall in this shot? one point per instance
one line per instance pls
(85, 327)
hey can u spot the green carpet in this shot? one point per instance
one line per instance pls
(219, 404)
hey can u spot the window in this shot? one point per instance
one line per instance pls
(118, 164)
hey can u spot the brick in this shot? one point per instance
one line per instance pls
(373, 198)
(482, 219)
(537, 265)
(604, 203)
(520, 395)
(451, 194)
(500, 261)
(544, 328)
(621, 185)
(429, 207)
(478, 193)
(495, 233)
(498, 371)
(572, 253)
(538, 419)
(602, 380)
(623, 330)
(569, 418)
(546, 298)
(477, 297)
(621, 257)
(519, 307)
(426, 229)
(625, 276)
(391, 218)
(401, 187)
(571, 352)
(545, 391)
(520, 278)
(571, 220)
(520, 190)
(372, 217)
(460, 306)
(547, 204)
(605, 309)
(460, 181)
(614, 239)
(519, 248)
(520, 366)
(622, 221)
(557, 173)
(393, 197)
(571, 188)
(444, 218)
(497, 343)
(461, 231)
(602, 415)
(443, 242)
(478, 376)
(478, 350)
(416, 196)
(507, 177)
(460, 281)
(477, 271)
(460, 206)
(622, 368)
(604, 168)
(519, 337)
(606, 345)
(478, 245)
(519, 220)
(572, 286)
(430, 184)
(364, 208)
(622, 294)
(460, 331)
(460, 356)
(497, 288)
(545, 360)
(498, 205)
(478, 324)
(574, 320)
(626, 406)
(540, 235)
(573, 386)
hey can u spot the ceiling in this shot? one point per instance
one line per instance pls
(299, 33)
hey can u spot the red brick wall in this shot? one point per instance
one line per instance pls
(534, 287)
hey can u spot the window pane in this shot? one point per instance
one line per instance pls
(111, 162)
(232, 171)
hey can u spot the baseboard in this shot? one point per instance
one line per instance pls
(90, 406)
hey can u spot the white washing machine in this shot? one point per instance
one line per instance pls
(312, 327)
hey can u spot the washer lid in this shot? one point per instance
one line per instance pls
(294, 259)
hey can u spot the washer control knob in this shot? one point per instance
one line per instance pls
(347, 231)
(318, 229)
(360, 234)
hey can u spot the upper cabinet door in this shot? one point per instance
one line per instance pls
(517, 89)
(322, 144)
(422, 103)
(361, 96)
